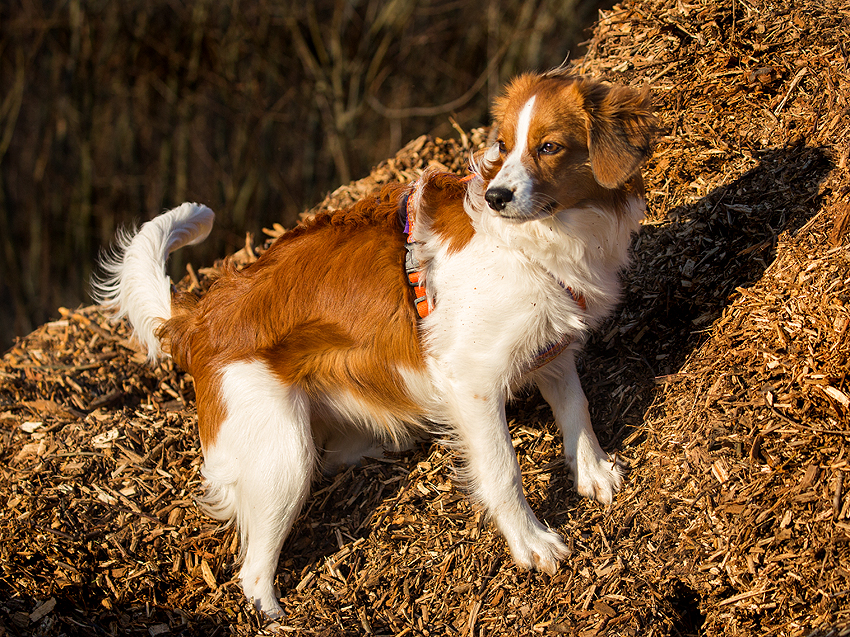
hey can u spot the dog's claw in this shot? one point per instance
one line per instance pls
(540, 549)
(546, 565)
(599, 479)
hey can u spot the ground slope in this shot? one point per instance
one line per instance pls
(722, 381)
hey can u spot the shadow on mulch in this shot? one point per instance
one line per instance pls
(682, 278)
(685, 273)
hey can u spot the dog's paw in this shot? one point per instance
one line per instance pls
(273, 612)
(598, 478)
(264, 596)
(268, 606)
(539, 549)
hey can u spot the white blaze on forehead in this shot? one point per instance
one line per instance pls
(522, 126)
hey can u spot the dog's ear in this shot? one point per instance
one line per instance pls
(620, 131)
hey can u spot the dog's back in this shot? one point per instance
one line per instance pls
(308, 308)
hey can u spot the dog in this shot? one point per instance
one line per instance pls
(350, 332)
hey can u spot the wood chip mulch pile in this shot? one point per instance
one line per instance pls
(722, 381)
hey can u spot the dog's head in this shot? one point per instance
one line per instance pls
(564, 140)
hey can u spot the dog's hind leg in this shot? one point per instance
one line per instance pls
(347, 448)
(595, 475)
(258, 469)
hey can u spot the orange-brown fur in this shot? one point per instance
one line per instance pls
(442, 203)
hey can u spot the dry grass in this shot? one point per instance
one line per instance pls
(722, 381)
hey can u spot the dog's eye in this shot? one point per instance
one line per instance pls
(502, 148)
(548, 148)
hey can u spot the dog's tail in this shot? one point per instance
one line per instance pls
(132, 280)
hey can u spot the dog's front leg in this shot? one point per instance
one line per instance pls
(595, 475)
(495, 480)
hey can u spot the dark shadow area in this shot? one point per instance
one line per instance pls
(684, 273)
(685, 604)
(343, 506)
(838, 630)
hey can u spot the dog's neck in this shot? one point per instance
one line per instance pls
(582, 247)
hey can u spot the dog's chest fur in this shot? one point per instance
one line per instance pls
(513, 289)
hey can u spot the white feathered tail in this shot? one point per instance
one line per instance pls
(133, 281)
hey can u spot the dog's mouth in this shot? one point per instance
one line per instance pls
(505, 203)
(518, 214)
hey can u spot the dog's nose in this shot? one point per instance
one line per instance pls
(498, 198)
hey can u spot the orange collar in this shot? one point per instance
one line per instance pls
(577, 298)
(412, 267)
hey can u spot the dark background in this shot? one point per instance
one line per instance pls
(111, 112)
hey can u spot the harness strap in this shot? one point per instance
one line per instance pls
(549, 353)
(411, 264)
(577, 298)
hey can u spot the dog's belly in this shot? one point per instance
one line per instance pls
(347, 426)
(368, 409)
